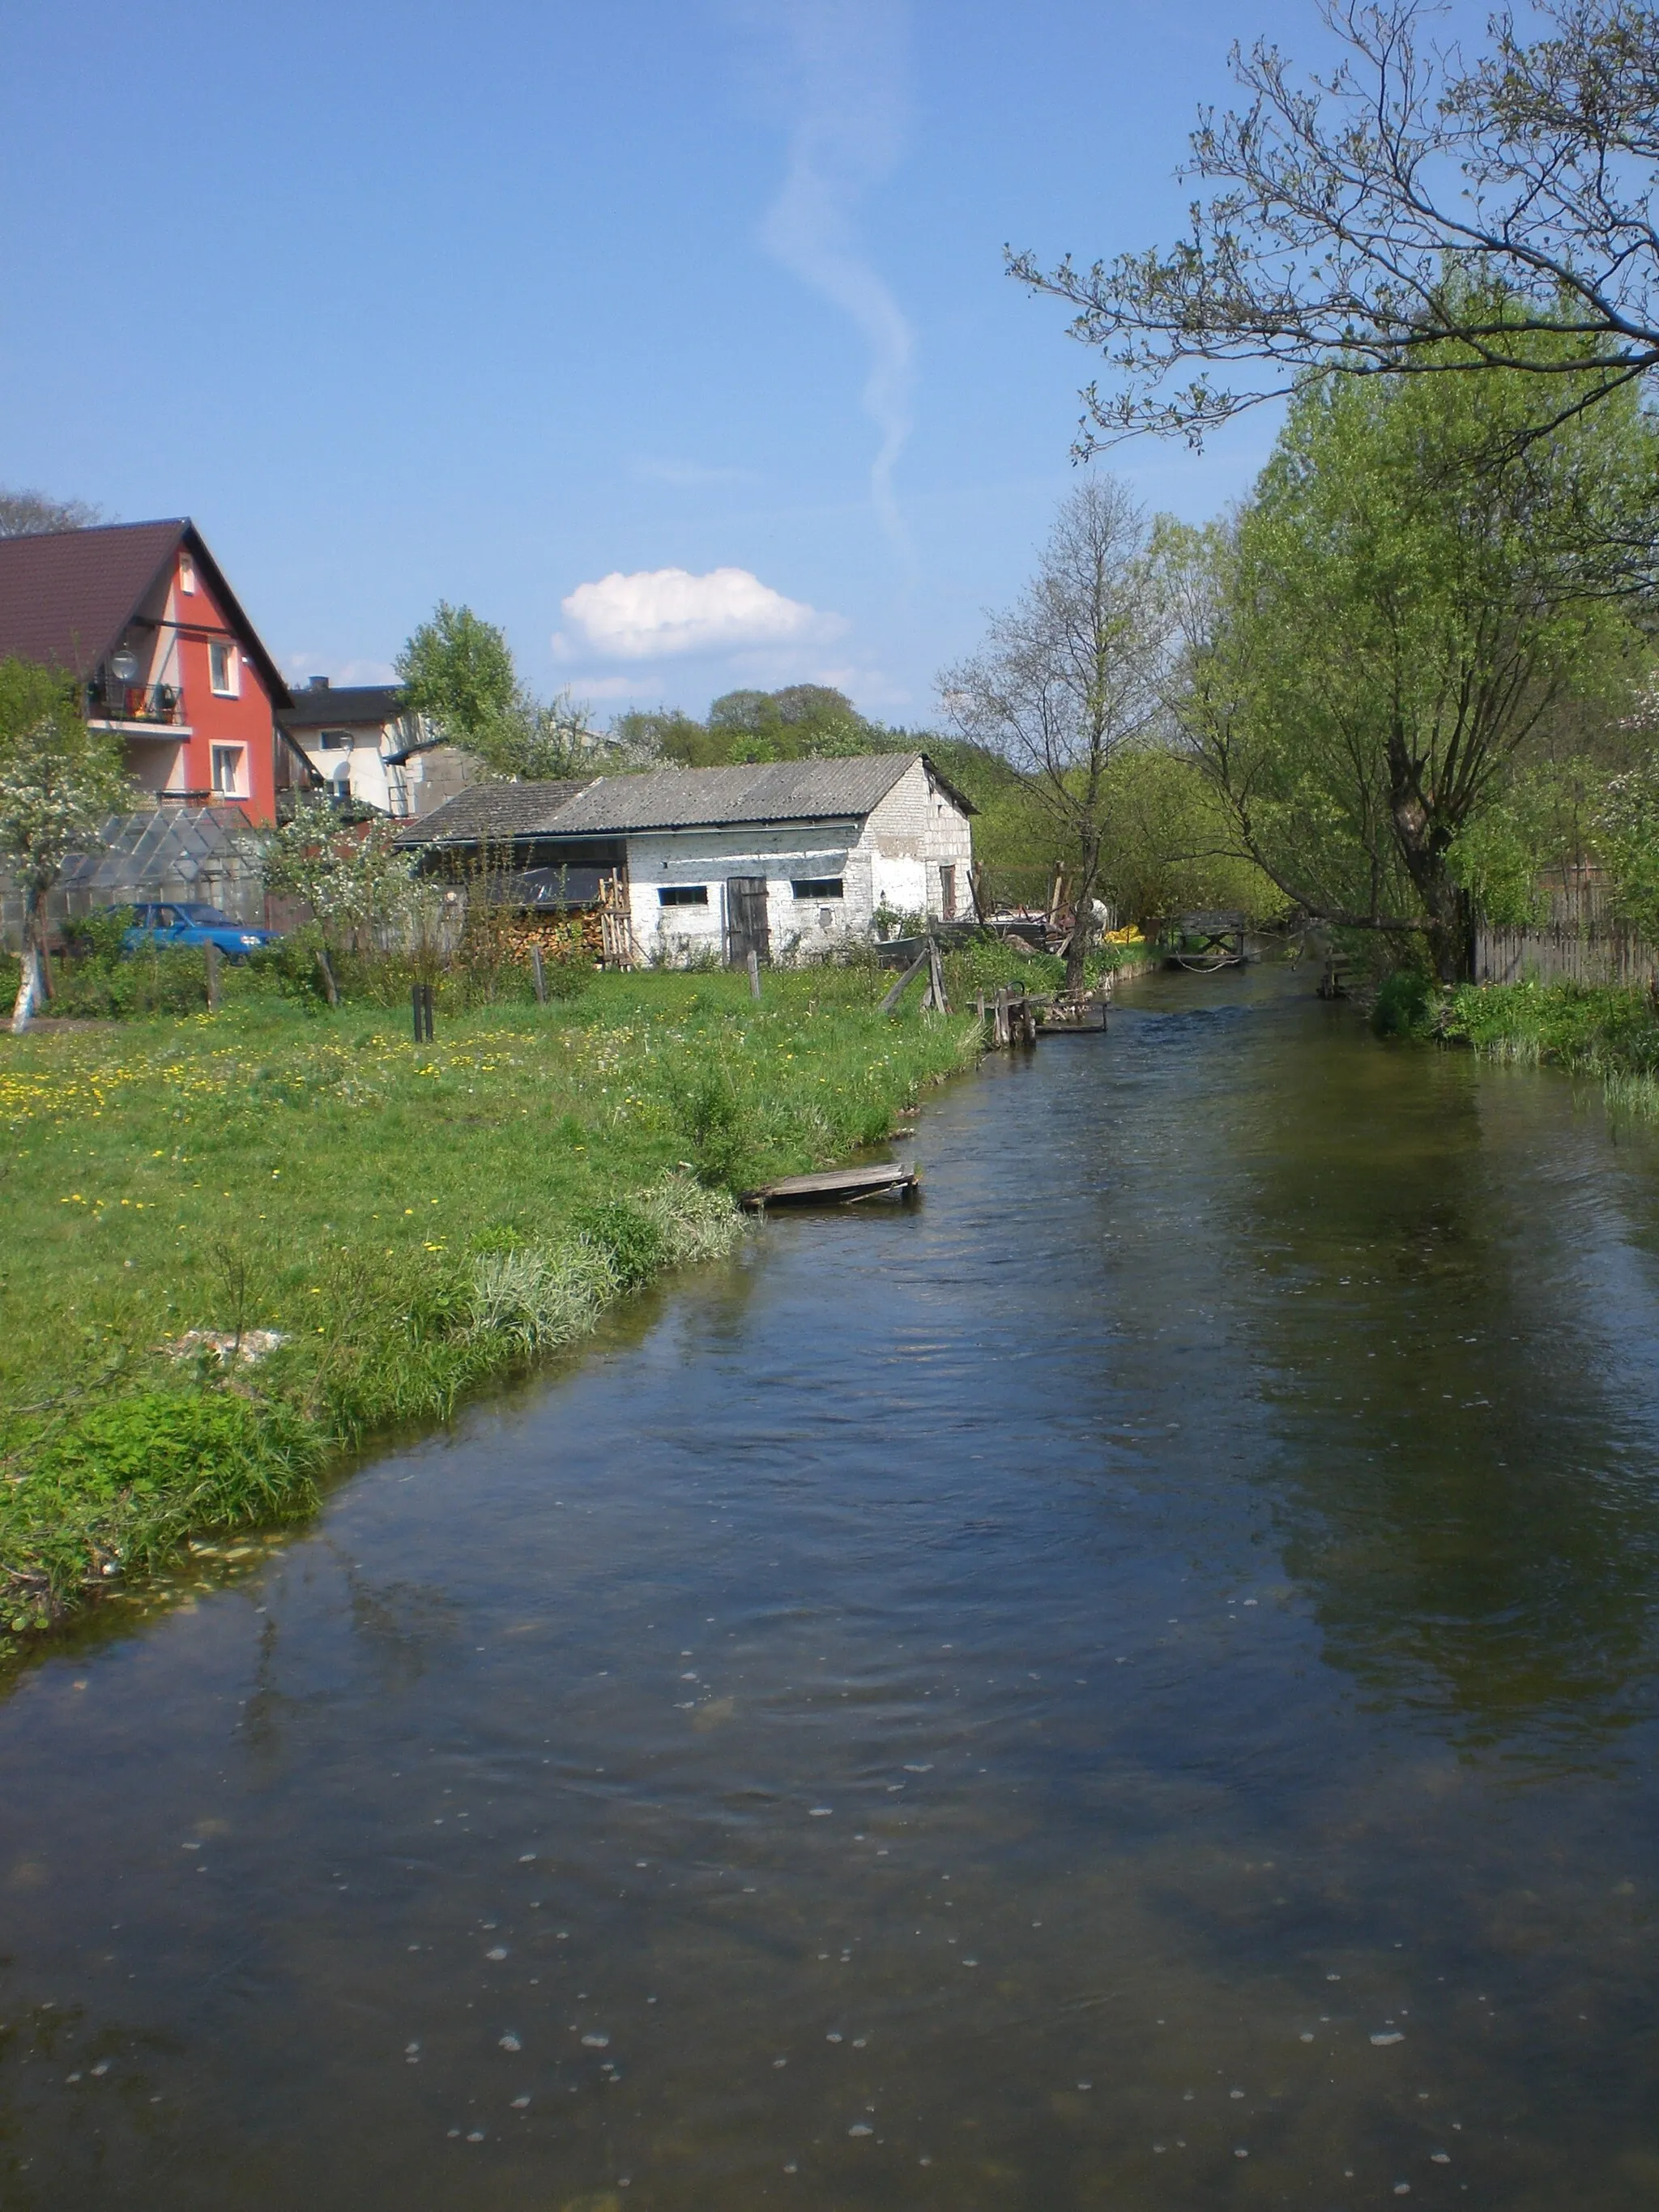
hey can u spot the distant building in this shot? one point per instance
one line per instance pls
(360, 741)
(140, 614)
(784, 858)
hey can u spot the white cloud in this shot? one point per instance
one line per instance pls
(657, 613)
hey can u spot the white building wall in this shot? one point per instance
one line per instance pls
(892, 859)
(786, 853)
(911, 836)
(361, 765)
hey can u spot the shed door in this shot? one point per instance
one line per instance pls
(745, 919)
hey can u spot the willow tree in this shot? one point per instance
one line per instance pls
(1391, 620)
(1070, 675)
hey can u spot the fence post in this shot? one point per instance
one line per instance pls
(754, 973)
(539, 975)
(212, 953)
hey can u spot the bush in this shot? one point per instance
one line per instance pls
(1405, 1006)
(715, 1127)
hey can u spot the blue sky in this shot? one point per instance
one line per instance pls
(524, 305)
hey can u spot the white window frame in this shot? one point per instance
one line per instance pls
(236, 756)
(231, 669)
(186, 574)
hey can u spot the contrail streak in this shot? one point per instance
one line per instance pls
(842, 92)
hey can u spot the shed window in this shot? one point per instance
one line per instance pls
(818, 887)
(682, 894)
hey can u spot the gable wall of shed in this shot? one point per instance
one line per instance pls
(914, 833)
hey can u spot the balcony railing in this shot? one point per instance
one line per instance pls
(158, 703)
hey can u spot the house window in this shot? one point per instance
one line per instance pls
(228, 771)
(682, 894)
(817, 887)
(947, 891)
(223, 672)
(186, 573)
(336, 741)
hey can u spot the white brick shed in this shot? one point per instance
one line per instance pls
(833, 843)
(791, 857)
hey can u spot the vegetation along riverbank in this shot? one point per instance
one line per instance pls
(238, 1244)
(1611, 1035)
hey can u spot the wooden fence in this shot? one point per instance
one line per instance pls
(1562, 952)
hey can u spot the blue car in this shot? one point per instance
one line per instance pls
(187, 921)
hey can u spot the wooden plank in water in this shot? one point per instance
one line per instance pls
(834, 1184)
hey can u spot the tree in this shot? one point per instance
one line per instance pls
(58, 780)
(351, 875)
(1070, 675)
(458, 672)
(802, 721)
(32, 514)
(1365, 218)
(1375, 644)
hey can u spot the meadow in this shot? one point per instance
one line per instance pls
(237, 1245)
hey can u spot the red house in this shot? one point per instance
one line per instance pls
(141, 615)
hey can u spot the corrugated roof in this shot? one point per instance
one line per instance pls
(328, 706)
(705, 798)
(67, 595)
(486, 812)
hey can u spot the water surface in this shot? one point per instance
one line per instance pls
(1129, 1685)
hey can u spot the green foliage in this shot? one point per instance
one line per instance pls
(633, 1242)
(1405, 1006)
(351, 875)
(1386, 632)
(1607, 1033)
(801, 721)
(100, 936)
(115, 1490)
(59, 778)
(712, 1121)
(1627, 839)
(457, 670)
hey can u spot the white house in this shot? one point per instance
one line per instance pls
(782, 858)
(362, 743)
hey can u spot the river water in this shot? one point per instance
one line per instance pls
(1130, 1683)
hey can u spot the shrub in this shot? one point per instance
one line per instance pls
(1405, 1006)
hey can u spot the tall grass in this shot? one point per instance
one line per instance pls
(1611, 1035)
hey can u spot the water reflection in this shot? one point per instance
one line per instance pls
(1468, 1482)
(1017, 1703)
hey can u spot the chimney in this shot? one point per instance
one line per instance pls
(317, 683)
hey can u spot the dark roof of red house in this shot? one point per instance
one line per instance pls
(67, 595)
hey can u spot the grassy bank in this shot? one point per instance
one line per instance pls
(1612, 1035)
(370, 1228)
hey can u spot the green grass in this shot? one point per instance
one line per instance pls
(412, 1220)
(1611, 1035)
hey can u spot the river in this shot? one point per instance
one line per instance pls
(1130, 1683)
